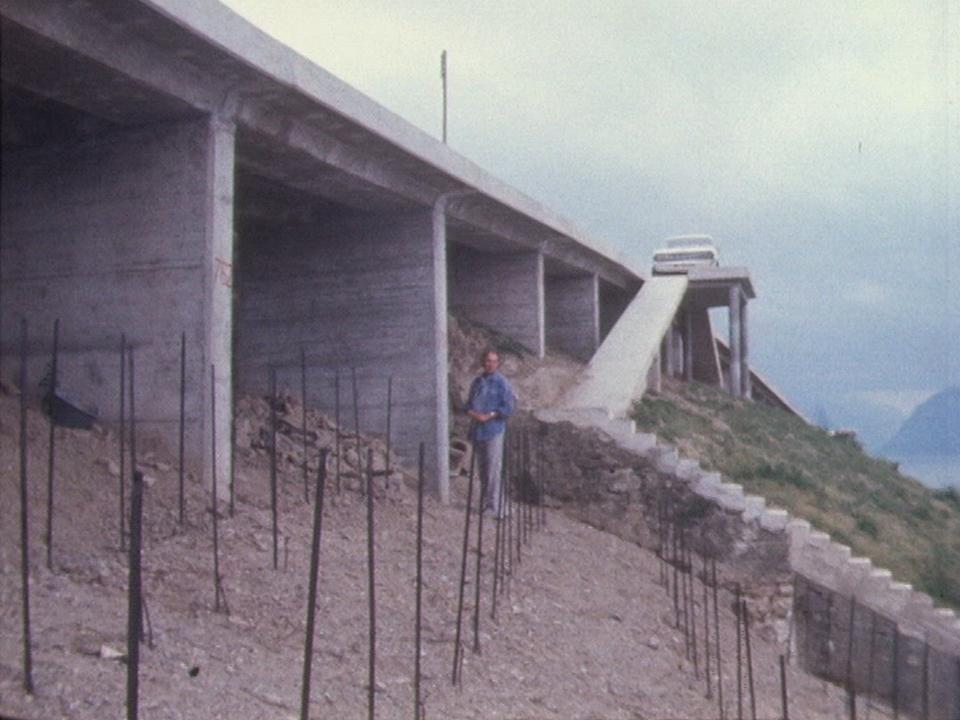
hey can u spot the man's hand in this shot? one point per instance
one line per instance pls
(481, 417)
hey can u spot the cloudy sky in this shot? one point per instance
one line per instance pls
(817, 141)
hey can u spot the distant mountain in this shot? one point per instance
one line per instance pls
(932, 429)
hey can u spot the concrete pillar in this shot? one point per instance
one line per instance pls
(744, 354)
(688, 345)
(678, 361)
(654, 375)
(365, 293)
(573, 314)
(218, 293)
(441, 377)
(735, 349)
(129, 232)
(503, 291)
(669, 349)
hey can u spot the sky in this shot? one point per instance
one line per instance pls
(818, 142)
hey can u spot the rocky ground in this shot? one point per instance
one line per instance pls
(585, 631)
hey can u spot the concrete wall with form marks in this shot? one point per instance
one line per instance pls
(354, 293)
(113, 235)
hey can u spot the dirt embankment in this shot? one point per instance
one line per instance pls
(585, 632)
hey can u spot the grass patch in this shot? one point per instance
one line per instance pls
(861, 501)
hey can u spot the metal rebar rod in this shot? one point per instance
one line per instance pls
(386, 458)
(896, 672)
(312, 586)
(660, 565)
(925, 683)
(739, 616)
(784, 704)
(303, 421)
(356, 425)
(674, 552)
(233, 460)
(706, 630)
(51, 399)
(528, 474)
(870, 664)
(336, 422)
(371, 594)
(457, 648)
(273, 466)
(685, 592)
(507, 551)
(134, 598)
(542, 476)
(851, 692)
(183, 419)
(214, 481)
(133, 412)
(498, 547)
(24, 518)
(123, 435)
(746, 636)
(716, 638)
(478, 578)
(419, 601)
(693, 613)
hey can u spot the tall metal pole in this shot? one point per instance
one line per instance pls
(273, 465)
(443, 78)
(183, 416)
(457, 649)
(356, 425)
(214, 482)
(386, 463)
(739, 619)
(746, 636)
(481, 503)
(851, 692)
(336, 422)
(312, 588)
(24, 516)
(303, 421)
(418, 624)
(716, 637)
(123, 435)
(371, 594)
(783, 688)
(133, 413)
(51, 399)
(706, 629)
(134, 598)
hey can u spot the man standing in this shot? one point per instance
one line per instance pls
(489, 405)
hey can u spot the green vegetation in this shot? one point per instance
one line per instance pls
(830, 481)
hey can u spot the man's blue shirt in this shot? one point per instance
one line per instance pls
(490, 393)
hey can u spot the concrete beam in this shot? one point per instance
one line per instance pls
(573, 314)
(504, 292)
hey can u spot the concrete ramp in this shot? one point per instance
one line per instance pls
(617, 373)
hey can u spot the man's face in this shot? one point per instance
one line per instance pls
(491, 361)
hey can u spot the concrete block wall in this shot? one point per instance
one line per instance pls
(816, 559)
(355, 294)
(573, 315)
(128, 232)
(502, 291)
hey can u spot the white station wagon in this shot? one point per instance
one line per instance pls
(684, 252)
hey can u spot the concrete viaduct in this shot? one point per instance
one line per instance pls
(168, 168)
